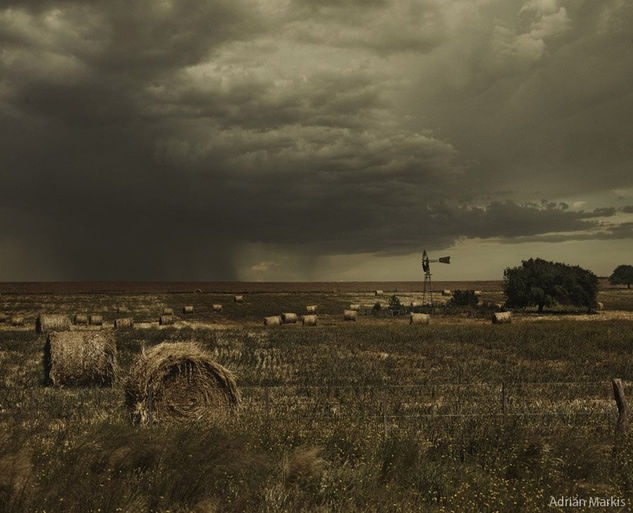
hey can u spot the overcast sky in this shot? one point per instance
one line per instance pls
(313, 140)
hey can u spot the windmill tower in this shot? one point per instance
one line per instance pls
(427, 293)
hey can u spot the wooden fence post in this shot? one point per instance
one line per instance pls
(623, 411)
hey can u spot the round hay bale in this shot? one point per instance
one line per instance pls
(168, 311)
(124, 322)
(80, 319)
(80, 358)
(378, 293)
(52, 322)
(309, 320)
(198, 291)
(354, 307)
(122, 309)
(4, 317)
(419, 318)
(179, 381)
(187, 309)
(415, 304)
(600, 305)
(311, 309)
(17, 320)
(96, 320)
(289, 318)
(501, 318)
(350, 315)
(274, 320)
(447, 292)
(477, 293)
(217, 308)
(238, 299)
(165, 320)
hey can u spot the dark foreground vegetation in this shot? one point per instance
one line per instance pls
(347, 419)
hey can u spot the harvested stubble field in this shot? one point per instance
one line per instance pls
(369, 417)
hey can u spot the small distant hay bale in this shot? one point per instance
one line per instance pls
(350, 315)
(17, 320)
(289, 318)
(52, 322)
(477, 293)
(354, 307)
(188, 309)
(122, 309)
(80, 358)
(311, 309)
(124, 322)
(168, 311)
(179, 381)
(378, 293)
(80, 320)
(415, 304)
(419, 318)
(198, 291)
(238, 299)
(447, 292)
(217, 308)
(274, 320)
(4, 317)
(96, 320)
(309, 320)
(165, 320)
(600, 305)
(501, 318)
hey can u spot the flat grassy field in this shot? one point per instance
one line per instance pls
(373, 416)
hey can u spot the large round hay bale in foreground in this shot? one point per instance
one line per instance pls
(217, 308)
(96, 320)
(273, 320)
(311, 309)
(350, 315)
(238, 299)
(165, 320)
(309, 320)
(179, 381)
(419, 318)
(501, 318)
(124, 322)
(52, 322)
(80, 320)
(289, 318)
(80, 358)
(187, 309)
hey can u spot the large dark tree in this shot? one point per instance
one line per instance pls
(622, 275)
(538, 282)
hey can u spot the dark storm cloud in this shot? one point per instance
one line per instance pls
(153, 139)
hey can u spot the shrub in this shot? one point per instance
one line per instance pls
(464, 298)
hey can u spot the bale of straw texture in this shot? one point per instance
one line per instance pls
(124, 322)
(164, 320)
(274, 320)
(378, 293)
(80, 319)
(217, 308)
(289, 318)
(179, 381)
(419, 318)
(168, 311)
(80, 358)
(501, 318)
(96, 320)
(354, 307)
(238, 299)
(600, 305)
(188, 309)
(17, 320)
(122, 309)
(447, 292)
(477, 293)
(311, 309)
(309, 320)
(4, 317)
(52, 322)
(350, 315)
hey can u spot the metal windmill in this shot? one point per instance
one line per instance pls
(426, 266)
